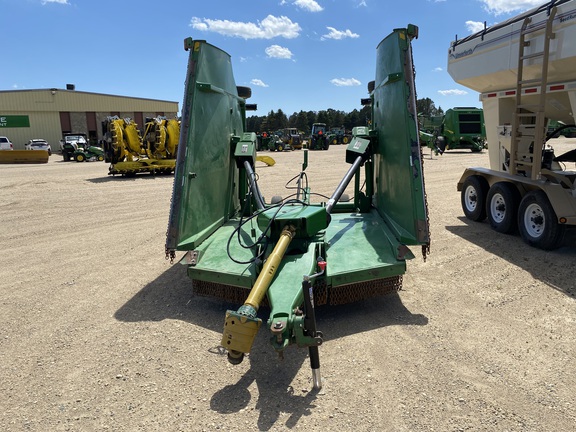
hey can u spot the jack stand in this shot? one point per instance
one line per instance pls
(310, 324)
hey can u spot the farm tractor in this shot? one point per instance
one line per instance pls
(293, 253)
(291, 137)
(339, 136)
(319, 139)
(265, 140)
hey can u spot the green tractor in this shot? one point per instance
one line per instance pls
(264, 140)
(339, 136)
(277, 143)
(70, 143)
(319, 139)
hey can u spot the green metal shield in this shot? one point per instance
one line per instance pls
(399, 182)
(212, 122)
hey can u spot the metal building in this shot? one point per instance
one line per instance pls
(48, 113)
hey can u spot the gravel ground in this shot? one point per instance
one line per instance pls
(100, 332)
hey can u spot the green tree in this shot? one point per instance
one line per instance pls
(426, 107)
(301, 122)
(323, 117)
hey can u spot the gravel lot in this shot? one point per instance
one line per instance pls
(100, 332)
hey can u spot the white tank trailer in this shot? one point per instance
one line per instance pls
(525, 71)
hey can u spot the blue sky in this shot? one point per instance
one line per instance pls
(294, 54)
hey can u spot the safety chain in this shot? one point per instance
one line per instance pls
(425, 247)
(171, 255)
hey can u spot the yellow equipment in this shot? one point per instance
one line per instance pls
(23, 156)
(266, 159)
(129, 154)
(161, 138)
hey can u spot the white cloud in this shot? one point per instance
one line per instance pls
(309, 5)
(258, 82)
(276, 51)
(498, 7)
(453, 92)
(437, 69)
(338, 34)
(362, 3)
(55, 1)
(474, 26)
(270, 27)
(345, 82)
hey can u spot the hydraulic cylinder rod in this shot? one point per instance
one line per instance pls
(240, 327)
(344, 183)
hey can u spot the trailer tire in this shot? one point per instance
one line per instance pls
(502, 207)
(538, 223)
(473, 197)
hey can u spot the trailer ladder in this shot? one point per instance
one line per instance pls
(530, 114)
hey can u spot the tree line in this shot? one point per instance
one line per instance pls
(303, 120)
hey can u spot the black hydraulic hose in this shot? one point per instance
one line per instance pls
(254, 186)
(557, 130)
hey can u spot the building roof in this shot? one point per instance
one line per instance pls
(82, 92)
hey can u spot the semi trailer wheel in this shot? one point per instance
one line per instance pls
(502, 207)
(538, 222)
(473, 198)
